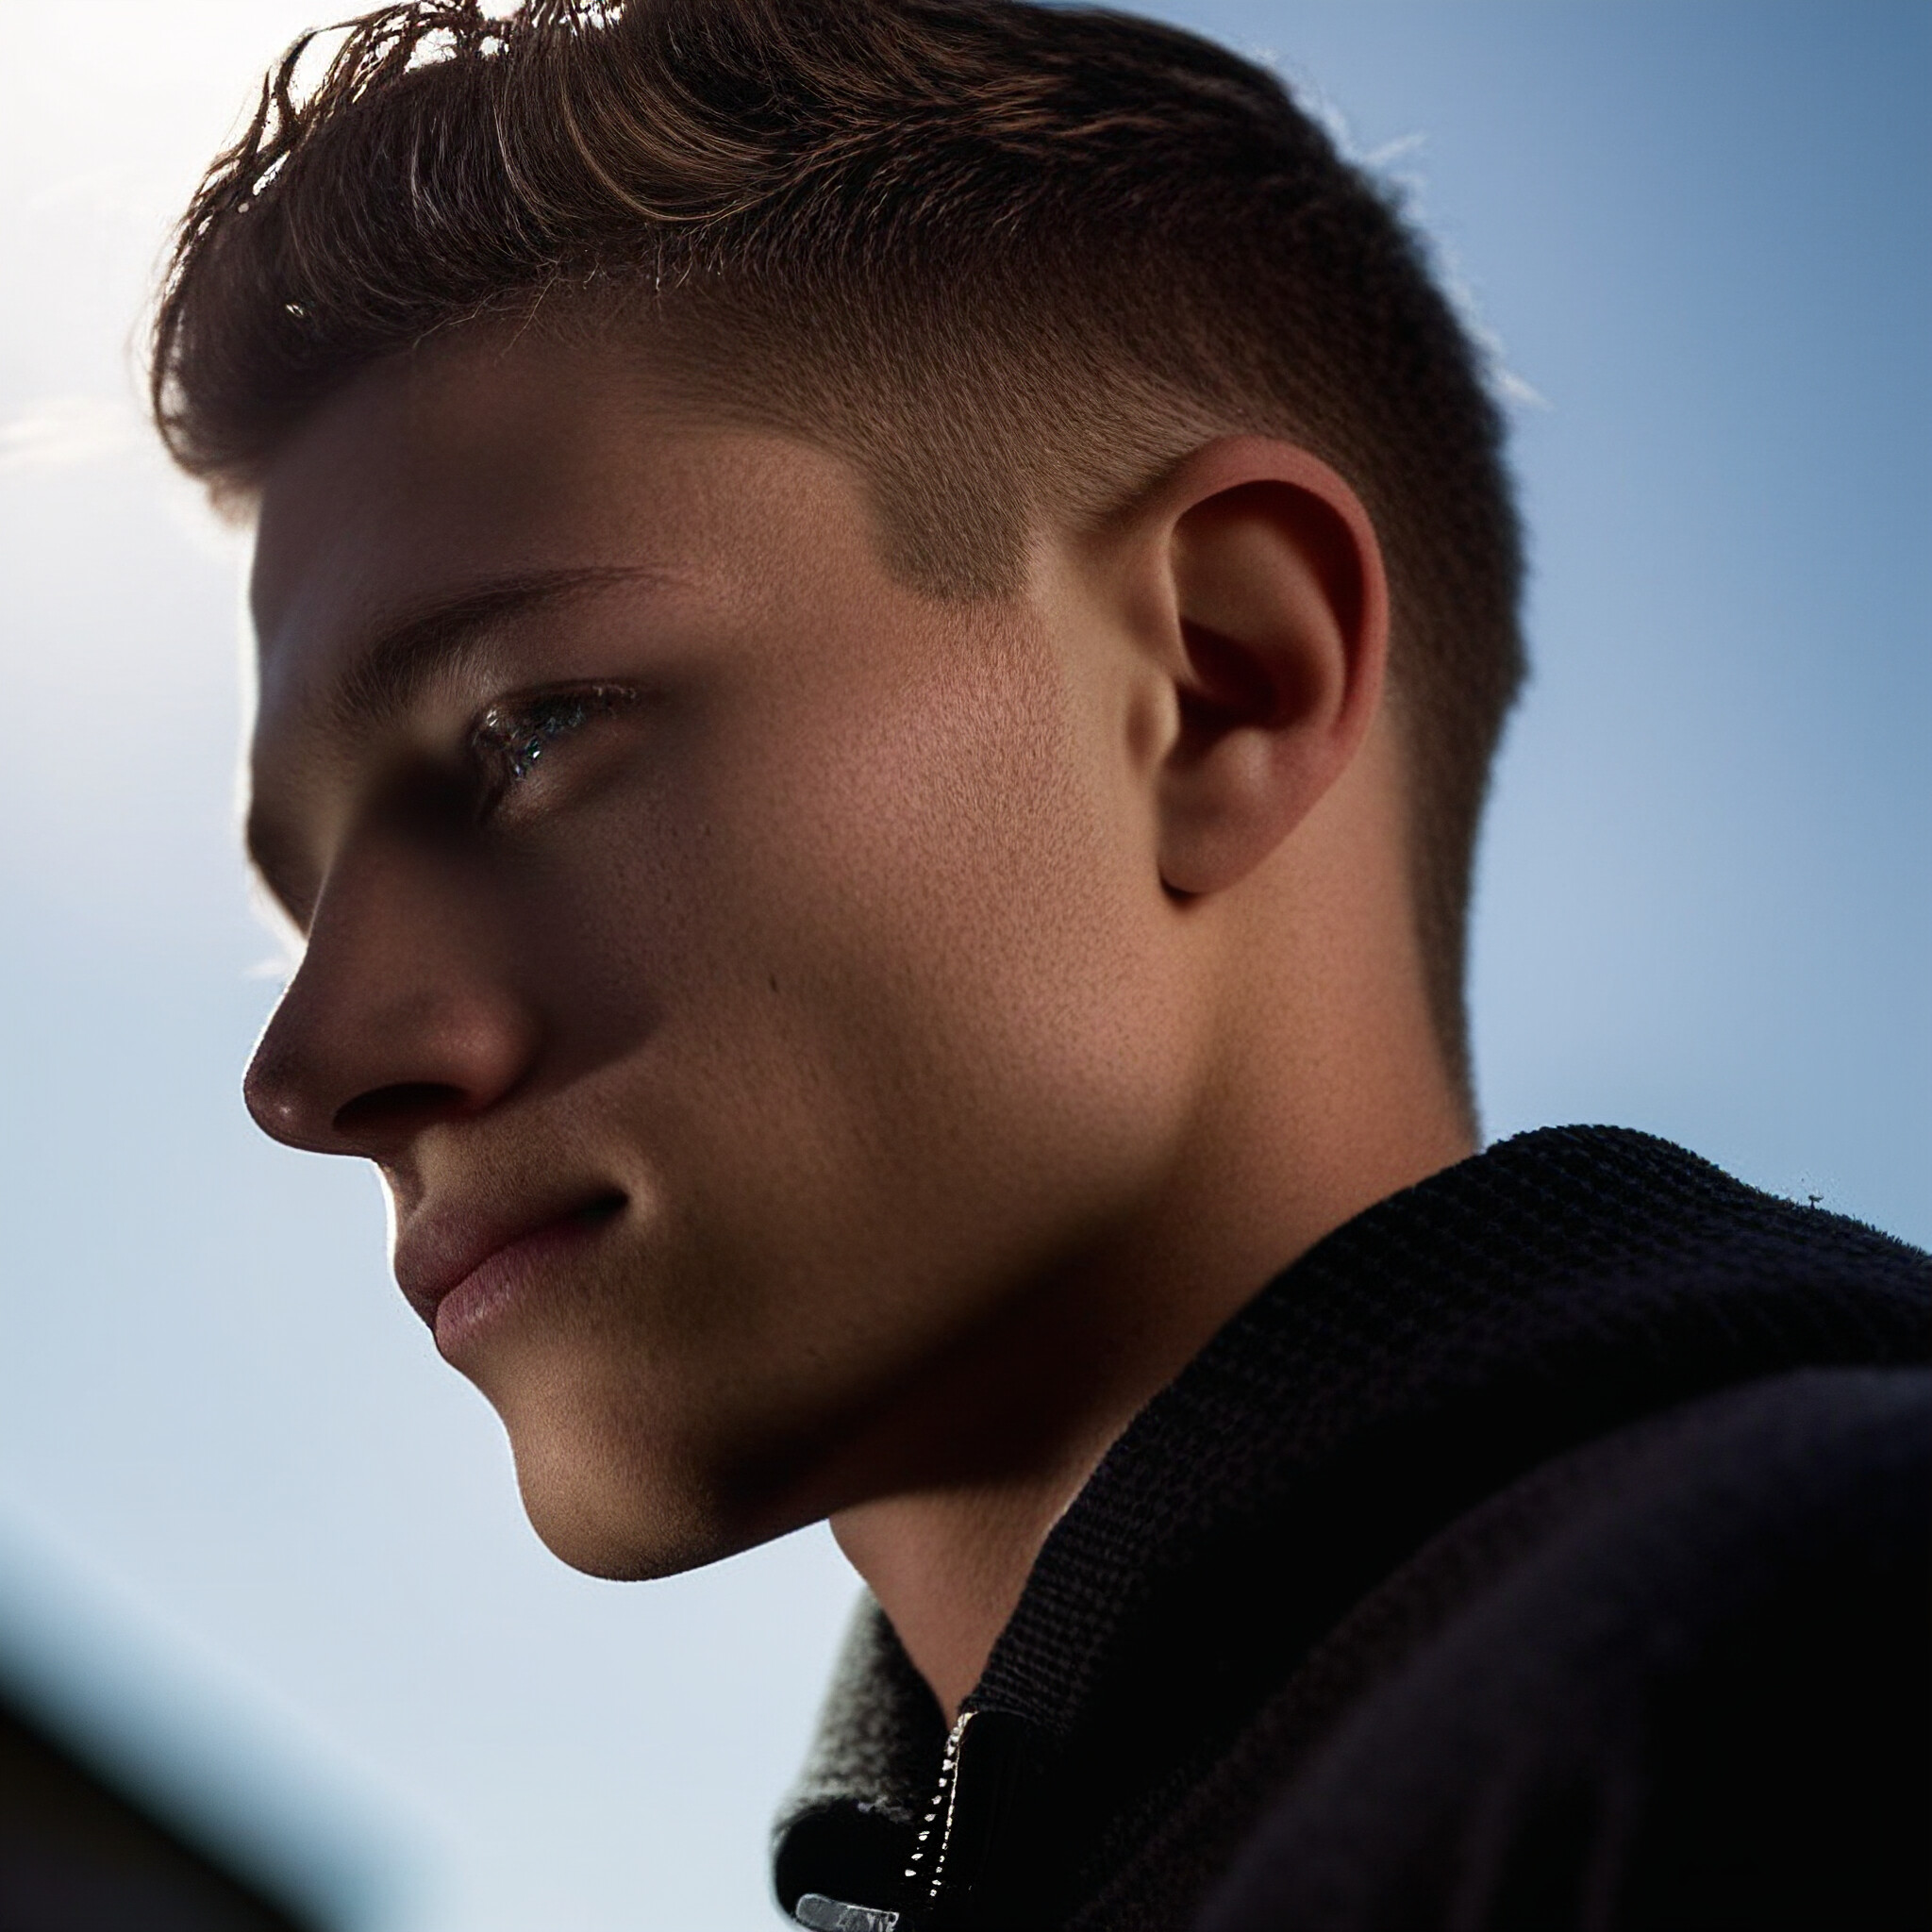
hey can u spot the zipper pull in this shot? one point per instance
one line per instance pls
(823, 1914)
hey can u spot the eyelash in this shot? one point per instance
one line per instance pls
(510, 738)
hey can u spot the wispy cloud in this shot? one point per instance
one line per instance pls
(1513, 388)
(58, 431)
(1390, 152)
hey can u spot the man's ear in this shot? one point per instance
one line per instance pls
(1270, 596)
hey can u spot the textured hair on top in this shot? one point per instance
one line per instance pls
(1014, 260)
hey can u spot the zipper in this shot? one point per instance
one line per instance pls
(925, 1864)
(972, 1862)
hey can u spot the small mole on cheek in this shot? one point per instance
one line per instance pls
(774, 982)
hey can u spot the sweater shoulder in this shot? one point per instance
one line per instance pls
(1677, 1677)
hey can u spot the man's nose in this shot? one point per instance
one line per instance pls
(402, 1015)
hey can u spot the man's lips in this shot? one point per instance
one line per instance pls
(438, 1253)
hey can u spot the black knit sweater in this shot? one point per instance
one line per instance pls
(1546, 1548)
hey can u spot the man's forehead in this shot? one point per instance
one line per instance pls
(481, 469)
(417, 470)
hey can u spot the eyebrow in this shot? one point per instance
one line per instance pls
(411, 651)
(414, 650)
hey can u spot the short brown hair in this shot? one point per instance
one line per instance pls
(1014, 260)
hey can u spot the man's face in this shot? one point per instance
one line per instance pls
(747, 973)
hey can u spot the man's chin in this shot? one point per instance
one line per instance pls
(621, 1514)
(632, 1483)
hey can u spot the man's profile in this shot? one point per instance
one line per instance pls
(881, 626)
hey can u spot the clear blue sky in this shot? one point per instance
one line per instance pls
(258, 1539)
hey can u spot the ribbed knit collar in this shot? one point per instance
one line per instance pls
(1428, 1352)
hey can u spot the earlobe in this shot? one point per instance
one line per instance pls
(1277, 606)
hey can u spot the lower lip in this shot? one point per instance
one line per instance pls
(495, 1287)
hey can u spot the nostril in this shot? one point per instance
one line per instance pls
(407, 1104)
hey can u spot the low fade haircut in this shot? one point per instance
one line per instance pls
(1012, 260)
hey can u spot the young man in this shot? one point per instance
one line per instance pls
(881, 623)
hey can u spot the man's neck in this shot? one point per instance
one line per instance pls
(948, 1566)
(947, 1563)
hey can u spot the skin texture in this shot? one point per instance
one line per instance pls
(890, 1036)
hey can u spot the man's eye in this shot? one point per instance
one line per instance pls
(515, 735)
